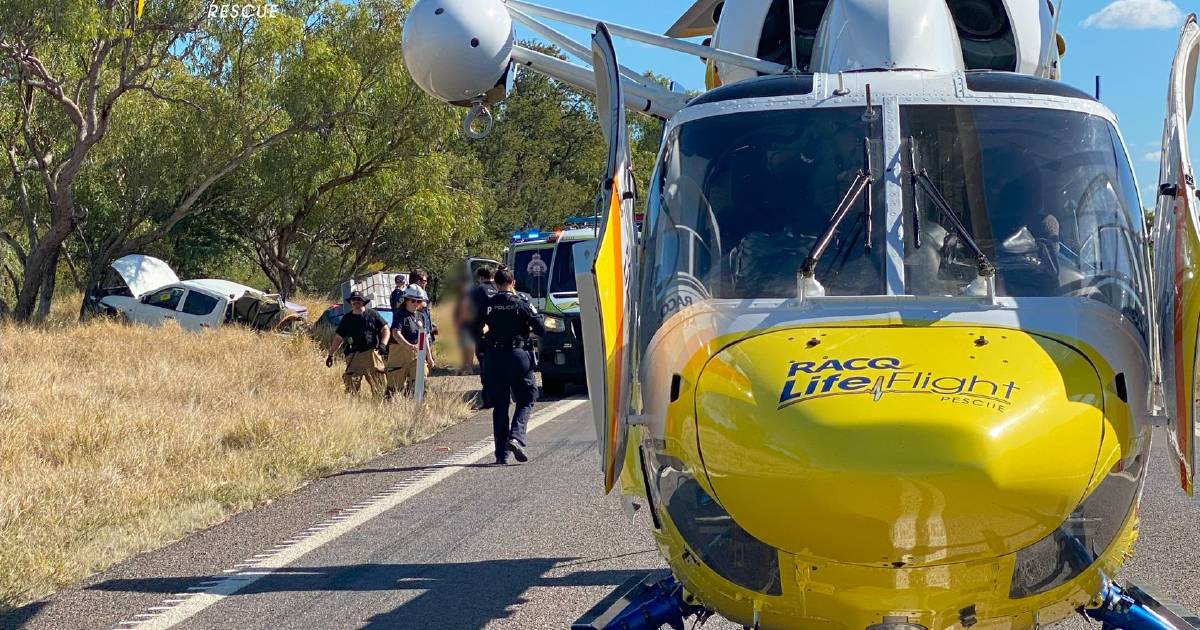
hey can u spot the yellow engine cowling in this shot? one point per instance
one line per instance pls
(899, 447)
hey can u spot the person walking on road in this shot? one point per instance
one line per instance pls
(510, 319)
(363, 331)
(478, 301)
(403, 353)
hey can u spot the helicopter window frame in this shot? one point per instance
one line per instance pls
(667, 287)
(1116, 274)
(956, 93)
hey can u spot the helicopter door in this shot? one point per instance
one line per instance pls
(1177, 253)
(605, 280)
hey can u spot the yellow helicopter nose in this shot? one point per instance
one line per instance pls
(899, 446)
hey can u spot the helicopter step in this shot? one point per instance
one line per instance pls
(643, 602)
(1134, 607)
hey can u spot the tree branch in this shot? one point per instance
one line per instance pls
(186, 207)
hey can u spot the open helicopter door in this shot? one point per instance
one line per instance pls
(606, 284)
(1176, 258)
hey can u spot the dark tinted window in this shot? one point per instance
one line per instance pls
(532, 270)
(562, 277)
(1021, 84)
(775, 85)
(199, 304)
(166, 298)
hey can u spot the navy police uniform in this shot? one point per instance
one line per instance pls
(508, 367)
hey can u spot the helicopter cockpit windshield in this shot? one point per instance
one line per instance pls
(1047, 195)
(743, 199)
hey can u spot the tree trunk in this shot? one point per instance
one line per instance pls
(287, 283)
(42, 261)
(46, 293)
(95, 274)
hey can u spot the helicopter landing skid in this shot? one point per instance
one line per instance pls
(644, 602)
(1134, 607)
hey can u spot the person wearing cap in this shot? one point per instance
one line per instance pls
(396, 300)
(363, 331)
(510, 319)
(402, 355)
(419, 278)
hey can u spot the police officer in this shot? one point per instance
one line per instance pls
(478, 298)
(508, 364)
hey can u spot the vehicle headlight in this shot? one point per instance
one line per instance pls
(730, 551)
(1082, 539)
(554, 324)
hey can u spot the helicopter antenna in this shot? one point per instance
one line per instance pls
(792, 35)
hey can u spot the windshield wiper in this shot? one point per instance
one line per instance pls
(862, 183)
(922, 181)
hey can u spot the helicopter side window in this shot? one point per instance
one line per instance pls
(740, 201)
(1047, 195)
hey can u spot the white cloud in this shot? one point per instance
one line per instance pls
(1136, 14)
(1153, 156)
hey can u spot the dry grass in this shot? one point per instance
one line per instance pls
(116, 439)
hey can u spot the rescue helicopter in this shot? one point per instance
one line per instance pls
(888, 349)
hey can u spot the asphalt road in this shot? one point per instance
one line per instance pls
(430, 544)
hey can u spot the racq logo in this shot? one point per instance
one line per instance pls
(882, 376)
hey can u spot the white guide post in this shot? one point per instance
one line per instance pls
(422, 351)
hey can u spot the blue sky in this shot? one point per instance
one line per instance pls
(1130, 43)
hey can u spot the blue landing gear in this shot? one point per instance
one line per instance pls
(1133, 607)
(643, 602)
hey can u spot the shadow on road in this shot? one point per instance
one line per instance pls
(17, 617)
(449, 595)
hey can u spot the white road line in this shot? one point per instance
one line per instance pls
(262, 565)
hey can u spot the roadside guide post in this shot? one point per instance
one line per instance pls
(422, 350)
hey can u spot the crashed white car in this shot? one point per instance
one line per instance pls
(153, 294)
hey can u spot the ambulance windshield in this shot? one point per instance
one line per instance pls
(531, 269)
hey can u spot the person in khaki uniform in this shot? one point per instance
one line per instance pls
(362, 331)
(402, 354)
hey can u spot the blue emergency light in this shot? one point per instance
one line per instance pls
(522, 237)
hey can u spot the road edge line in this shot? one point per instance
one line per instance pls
(182, 606)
